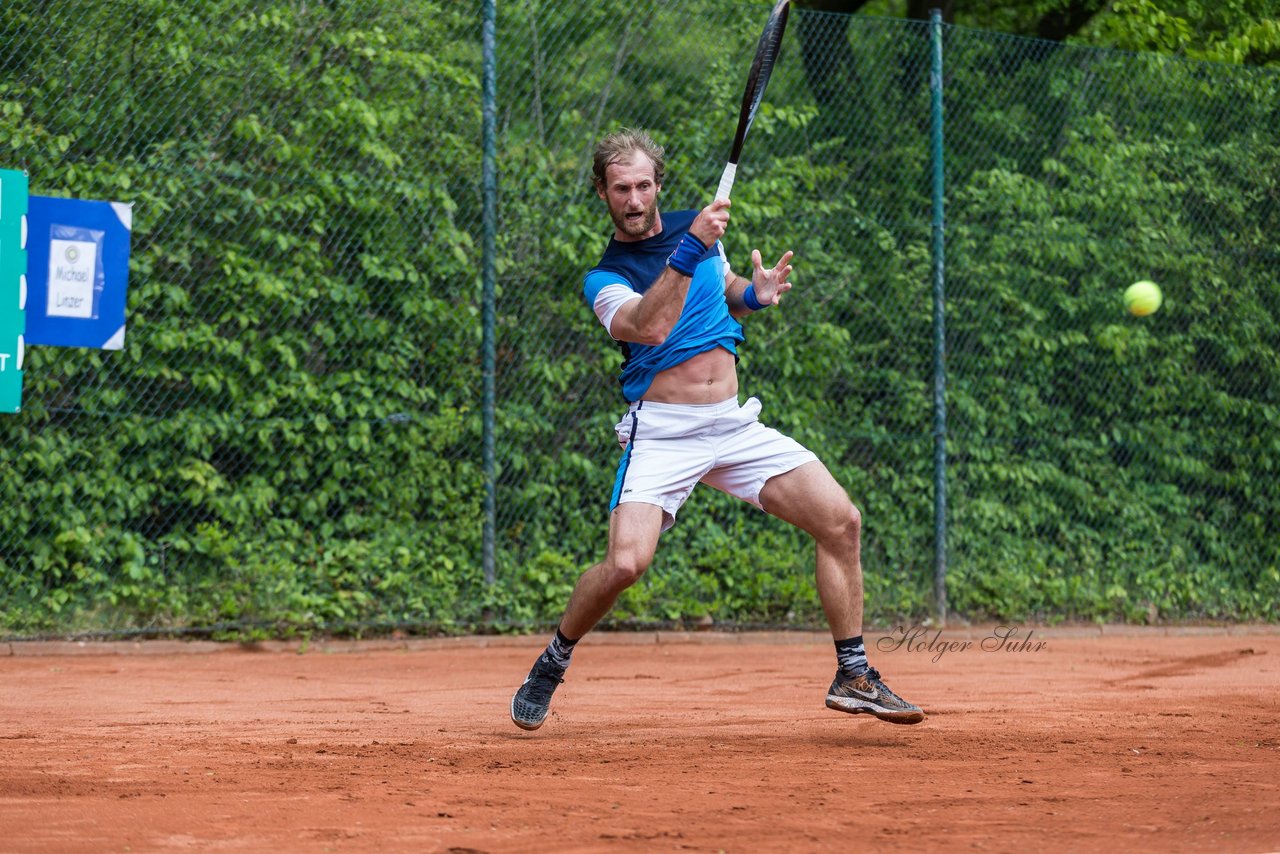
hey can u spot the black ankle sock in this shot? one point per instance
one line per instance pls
(560, 650)
(851, 655)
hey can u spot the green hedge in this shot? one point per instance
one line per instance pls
(291, 438)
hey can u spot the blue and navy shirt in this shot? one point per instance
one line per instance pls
(705, 322)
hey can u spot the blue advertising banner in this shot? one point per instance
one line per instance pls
(77, 272)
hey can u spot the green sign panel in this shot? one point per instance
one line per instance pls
(13, 285)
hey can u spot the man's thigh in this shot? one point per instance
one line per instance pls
(634, 529)
(808, 497)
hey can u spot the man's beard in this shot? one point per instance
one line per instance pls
(635, 227)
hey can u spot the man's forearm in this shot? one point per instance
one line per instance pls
(660, 307)
(733, 296)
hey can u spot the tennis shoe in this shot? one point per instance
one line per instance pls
(532, 701)
(867, 694)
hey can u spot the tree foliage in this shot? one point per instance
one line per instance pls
(1234, 31)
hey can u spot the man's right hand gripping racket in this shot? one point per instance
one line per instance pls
(761, 68)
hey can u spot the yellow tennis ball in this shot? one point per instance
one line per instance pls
(1142, 298)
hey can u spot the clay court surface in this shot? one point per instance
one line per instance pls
(1099, 740)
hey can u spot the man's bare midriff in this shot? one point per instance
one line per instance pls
(709, 377)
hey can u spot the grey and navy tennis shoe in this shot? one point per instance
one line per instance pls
(867, 694)
(532, 701)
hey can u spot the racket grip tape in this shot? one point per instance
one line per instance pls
(726, 181)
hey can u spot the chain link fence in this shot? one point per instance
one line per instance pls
(292, 437)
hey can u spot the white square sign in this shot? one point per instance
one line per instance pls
(73, 265)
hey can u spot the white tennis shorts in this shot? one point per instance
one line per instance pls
(668, 448)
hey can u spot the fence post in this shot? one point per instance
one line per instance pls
(939, 327)
(488, 274)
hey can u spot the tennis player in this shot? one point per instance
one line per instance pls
(664, 291)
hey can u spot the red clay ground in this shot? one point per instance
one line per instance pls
(1097, 741)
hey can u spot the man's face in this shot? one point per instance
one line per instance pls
(631, 193)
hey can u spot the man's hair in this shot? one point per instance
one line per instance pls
(620, 146)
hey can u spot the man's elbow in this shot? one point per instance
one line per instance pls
(651, 337)
(637, 333)
(650, 331)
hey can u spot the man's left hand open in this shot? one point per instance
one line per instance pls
(772, 282)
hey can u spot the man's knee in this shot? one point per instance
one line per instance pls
(625, 568)
(844, 525)
(851, 521)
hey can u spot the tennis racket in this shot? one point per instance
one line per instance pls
(761, 68)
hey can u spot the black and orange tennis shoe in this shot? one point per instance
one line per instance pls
(867, 694)
(532, 700)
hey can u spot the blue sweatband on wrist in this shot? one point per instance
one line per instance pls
(749, 299)
(687, 255)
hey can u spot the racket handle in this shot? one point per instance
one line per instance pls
(726, 181)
